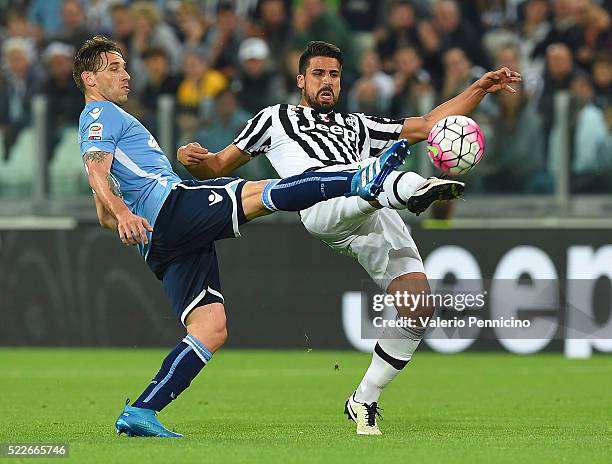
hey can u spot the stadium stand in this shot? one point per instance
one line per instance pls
(403, 57)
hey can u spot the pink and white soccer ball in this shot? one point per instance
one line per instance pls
(455, 145)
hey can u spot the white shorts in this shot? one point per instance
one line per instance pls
(377, 238)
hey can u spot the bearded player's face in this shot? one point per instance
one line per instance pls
(321, 83)
(112, 81)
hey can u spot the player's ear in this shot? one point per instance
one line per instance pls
(88, 78)
(300, 81)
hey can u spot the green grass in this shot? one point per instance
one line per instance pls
(263, 406)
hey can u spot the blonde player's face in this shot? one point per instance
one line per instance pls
(112, 81)
(321, 83)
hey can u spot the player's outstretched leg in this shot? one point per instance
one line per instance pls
(300, 192)
(408, 190)
(401, 190)
(297, 193)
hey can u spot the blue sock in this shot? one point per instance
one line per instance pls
(179, 368)
(299, 192)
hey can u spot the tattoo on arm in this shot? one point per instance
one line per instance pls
(100, 157)
(113, 185)
(96, 156)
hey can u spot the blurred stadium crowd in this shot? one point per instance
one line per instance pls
(223, 61)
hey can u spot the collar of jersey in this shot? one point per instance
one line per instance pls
(329, 113)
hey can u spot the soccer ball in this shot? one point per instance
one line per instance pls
(455, 145)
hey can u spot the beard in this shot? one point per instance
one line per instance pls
(120, 101)
(318, 107)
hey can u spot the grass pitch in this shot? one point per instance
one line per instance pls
(284, 406)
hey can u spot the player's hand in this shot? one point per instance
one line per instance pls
(133, 229)
(192, 154)
(499, 80)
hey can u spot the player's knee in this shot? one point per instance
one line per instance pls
(212, 337)
(208, 324)
(221, 335)
(217, 334)
(414, 289)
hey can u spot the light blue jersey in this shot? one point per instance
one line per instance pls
(140, 169)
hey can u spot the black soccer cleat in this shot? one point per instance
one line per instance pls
(434, 189)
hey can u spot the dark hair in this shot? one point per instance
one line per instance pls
(119, 7)
(89, 57)
(154, 52)
(582, 76)
(319, 48)
(398, 3)
(603, 58)
(225, 5)
(14, 14)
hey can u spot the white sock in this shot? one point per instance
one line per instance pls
(392, 352)
(398, 187)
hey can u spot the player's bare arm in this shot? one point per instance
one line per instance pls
(131, 228)
(205, 165)
(416, 129)
(106, 219)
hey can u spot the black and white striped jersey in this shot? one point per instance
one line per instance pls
(297, 138)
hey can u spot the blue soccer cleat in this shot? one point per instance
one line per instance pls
(368, 181)
(140, 422)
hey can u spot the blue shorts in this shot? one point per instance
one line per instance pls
(182, 254)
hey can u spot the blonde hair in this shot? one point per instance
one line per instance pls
(146, 10)
(189, 8)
